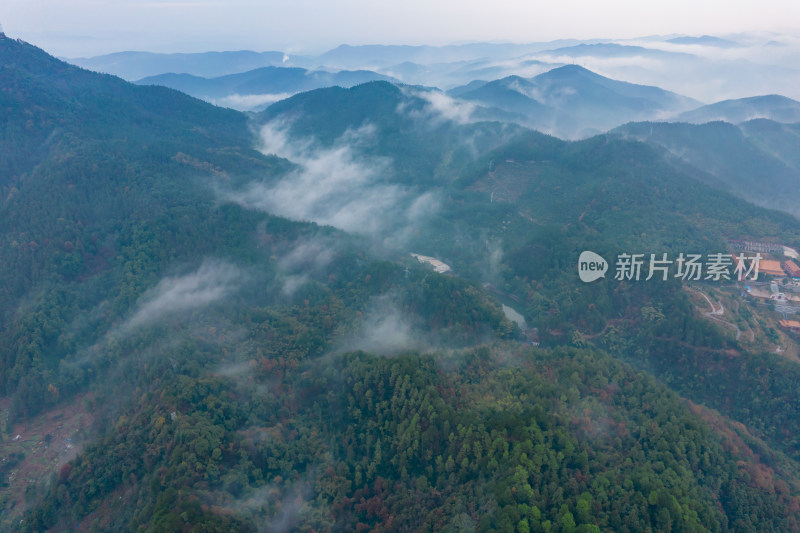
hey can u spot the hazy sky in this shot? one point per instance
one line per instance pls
(91, 27)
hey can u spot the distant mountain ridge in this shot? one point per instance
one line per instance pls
(705, 40)
(136, 65)
(348, 56)
(680, 63)
(606, 49)
(571, 101)
(278, 81)
(771, 106)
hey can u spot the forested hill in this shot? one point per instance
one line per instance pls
(518, 215)
(123, 269)
(82, 152)
(175, 357)
(46, 101)
(755, 160)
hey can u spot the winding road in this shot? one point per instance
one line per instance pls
(715, 313)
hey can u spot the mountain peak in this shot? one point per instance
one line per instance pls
(770, 99)
(512, 78)
(571, 70)
(572, 67)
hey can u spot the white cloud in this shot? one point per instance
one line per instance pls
(333, 186)
(290, 284)
(600, 64)
(313, 254)
(249, 102)
(385, 330)
(447, 107)
(212, 282)
(304, 260)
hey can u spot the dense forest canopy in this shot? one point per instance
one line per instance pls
(213, 351)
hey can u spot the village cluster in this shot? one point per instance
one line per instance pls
(780, 284)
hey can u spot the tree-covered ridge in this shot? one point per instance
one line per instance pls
(329, 300)
(102, 186)
(95, 227)
(564, 440)
(753, 160)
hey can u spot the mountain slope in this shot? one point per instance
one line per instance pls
(732, 157)
(781, 140)
(55, 101)
(67, 131)
(89, 161)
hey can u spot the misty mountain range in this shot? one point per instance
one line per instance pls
(573, 102)
(211, 320)
(705, 68)
(136, 65)
(569, 101)
(571, 89)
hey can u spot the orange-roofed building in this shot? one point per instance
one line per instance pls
(793, 325)
(792, 269)
(772, 268)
